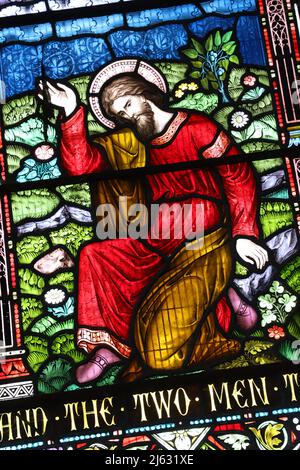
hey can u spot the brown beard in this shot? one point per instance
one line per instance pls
(144, 123)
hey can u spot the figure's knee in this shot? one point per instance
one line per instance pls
(165, 330)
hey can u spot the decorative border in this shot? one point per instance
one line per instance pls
(279, 30)
(16, 390)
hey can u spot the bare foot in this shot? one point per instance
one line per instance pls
(97, 365)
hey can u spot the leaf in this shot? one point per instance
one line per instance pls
(198, 101)
(264, 80)
(214, 85)
(290, 350)
(257, 434)
(41, 325)
(30, 308)
(204, 83)
(271, 431)
(294, 327)
(209, 43)
(110, 377)
(253, 94)
(199, 48)
(79, 193)
(262, 166)
(30, 283)
(240, 361)
(33, 204)
(258, 129)
(236, 441)
(30, 247)
(65, 345)
(227, 36)
(195, 74)
(197, 64)
(234, 59)
(191, 53)
(254, 346)
(230, 50)
(224, 64)
(55, 376)
(66, 279)
(228, 47)
(36, 360)
(218, 39)
(210, 76)
(38, 351)
(59, 327)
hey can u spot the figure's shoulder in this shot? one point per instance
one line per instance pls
(199, 124)
(195, 118)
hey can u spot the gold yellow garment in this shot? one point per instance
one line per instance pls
(124, 151)
(175, 324)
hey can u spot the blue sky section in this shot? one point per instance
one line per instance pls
(145, 18)
(162, 42)
(100, 25)
(21, 63)
(34, 33)
(202, 27)
(228, 7)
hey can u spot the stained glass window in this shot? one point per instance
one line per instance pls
(150, 223)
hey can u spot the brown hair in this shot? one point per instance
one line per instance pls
(130, 85)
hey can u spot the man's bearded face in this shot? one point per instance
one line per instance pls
(134, 108)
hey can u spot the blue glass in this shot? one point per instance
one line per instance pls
(228, 7)
(83, 55)
(204, 26)
(158, 15)
(162, 42)
(20, 65)
(99, 25)
(250, 40)
(34, 33)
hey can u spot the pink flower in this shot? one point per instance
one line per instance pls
(249, 80)
(276, 332)
(44, 152)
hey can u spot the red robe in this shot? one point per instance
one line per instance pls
(114, 273)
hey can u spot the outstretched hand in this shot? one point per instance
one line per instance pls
(59, 95)
(251, 252)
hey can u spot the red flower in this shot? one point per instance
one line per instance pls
(276, 332)
(44, 152)
(249, 80)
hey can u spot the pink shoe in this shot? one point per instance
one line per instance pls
(246, 316)
(96, 366)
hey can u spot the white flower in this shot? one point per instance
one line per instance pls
(276, 288)
(239, 119)
(268, 317)
(288, 301)
(54, 296)
(266, 301)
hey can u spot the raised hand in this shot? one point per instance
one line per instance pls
(251, 252)
(59, 95)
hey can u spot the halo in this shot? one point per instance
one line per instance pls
(116, 68)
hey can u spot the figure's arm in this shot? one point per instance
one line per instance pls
(78, 156)
(241, 193)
